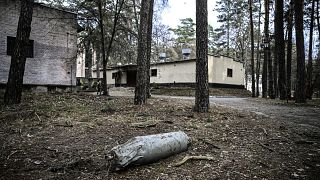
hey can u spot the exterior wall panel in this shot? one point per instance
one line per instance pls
(219, 68)
(180, 72)
(55, 45)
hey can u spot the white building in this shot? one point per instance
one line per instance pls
(222, 72)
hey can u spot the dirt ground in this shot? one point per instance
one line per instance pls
(67, 136)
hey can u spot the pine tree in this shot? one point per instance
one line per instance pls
(258, 53)
(267, 52)
(150, 18)
(14, 86)
(143, 50)
(300, 88)
(253, 91)
(309, 89)
(289, 18)
(202, 90)
(280, 48)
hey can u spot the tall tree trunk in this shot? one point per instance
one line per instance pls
(142, 64)
(202, 90)
(118, 8)
(300, 88)
(88, 52)
(104, 60)
(88, 59)
(98, 58)
(252, 51)
(228, 28)
(267, 51)
(289, 49)
(14, 86)
(275, 72)
(309, 90)
(150, 19)
(318, 19)
(275, 69)
(266, 45)
(258, 54)
(280, 48)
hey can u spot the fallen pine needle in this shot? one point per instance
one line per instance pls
(37, 116)
(185, 159)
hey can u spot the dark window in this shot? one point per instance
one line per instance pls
(10, 47)
(153, 72)
(229, 72)
(114, 75)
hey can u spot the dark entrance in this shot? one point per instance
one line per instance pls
(131, 78)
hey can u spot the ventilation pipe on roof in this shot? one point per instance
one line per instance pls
(186, 53)
(162, 57)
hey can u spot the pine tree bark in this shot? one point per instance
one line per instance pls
(280, 48)
(14, 86)
(300, 88)
(142, 64)
(258, 54)
(265, 60)
(253, 91)
(228, 27)
(309, 89)
(104, 60)
(88, 52)
(202, 90)
(318, 20)
(289, 49)
(275, 73)
(150, 25)
(268, 52)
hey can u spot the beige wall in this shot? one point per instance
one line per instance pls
(185, 72)
(180, 72)
(109, 76)
(217, 69)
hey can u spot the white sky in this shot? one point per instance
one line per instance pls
(180, 9)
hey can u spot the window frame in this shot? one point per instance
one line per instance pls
(11, 43)
(229, 72)
(153, 72)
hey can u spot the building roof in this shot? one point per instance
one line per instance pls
(55, 8)
(128, 66)
(194, 59)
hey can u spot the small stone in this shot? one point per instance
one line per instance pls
(295, 175)
(37, 162)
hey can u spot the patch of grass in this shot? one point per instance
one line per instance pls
(209, 120)
(109, 107)
(315, 102)
(310, 103)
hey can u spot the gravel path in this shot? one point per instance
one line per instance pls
(300, 115)
(308, 116)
